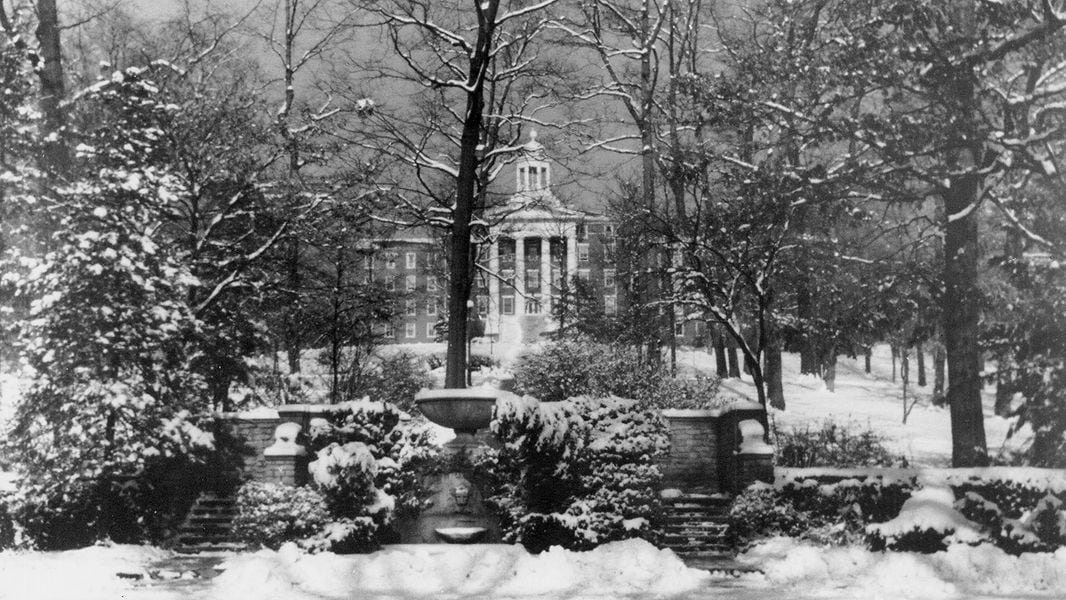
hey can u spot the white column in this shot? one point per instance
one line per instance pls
(571, 256)
(520, 274)
(545, 274)
(493, 318)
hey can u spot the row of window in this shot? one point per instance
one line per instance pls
(410, 259)
(531, 306)
(410, 283)
(411, 329)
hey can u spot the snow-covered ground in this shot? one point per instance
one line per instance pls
(631, 569)
(873, 401)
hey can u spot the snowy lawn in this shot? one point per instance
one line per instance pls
(873, 401)
(631, 569)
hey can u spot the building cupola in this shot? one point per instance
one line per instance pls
(533, 171)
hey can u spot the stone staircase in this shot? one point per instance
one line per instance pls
(696, 527)
(209, 526)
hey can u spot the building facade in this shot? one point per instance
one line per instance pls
(534, 251)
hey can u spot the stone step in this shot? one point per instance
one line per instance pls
(697, 531)
(209, 547)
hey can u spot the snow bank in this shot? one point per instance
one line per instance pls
(959, 572)
(629, 568)
(84, 574)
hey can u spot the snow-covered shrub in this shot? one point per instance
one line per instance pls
(577, 473)
(1017, 510)
(270, 514)
(760, 511)
(367, 467)
(1017, 518)
(570, 368)
(834, 445)
(928, 522)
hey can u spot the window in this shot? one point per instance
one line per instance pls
(431, 330)
(431, 283)
(610, 304)
(482, 306)
(679, 329)
(609, 248)
(412, 308)
(582, 232)
(431, 306)
(389, 331)
(411, 260)
(583, 275)
(608, 229)
(508, 276)
(390, 260)
(583, 254)
(411, 283)
(410, 330)
(532, 278)
(532, 306)
(608, 279)
(390, 283)
(507, 305)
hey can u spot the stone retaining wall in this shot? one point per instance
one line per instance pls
(708, 448)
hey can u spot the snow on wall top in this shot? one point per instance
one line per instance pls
(1052, 480)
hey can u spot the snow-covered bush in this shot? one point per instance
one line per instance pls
(761, 512)
(834, 445)
(367, 468)
(569, 368)
(928, 522)
(577, 473)
(1019, 510)
(271, 514)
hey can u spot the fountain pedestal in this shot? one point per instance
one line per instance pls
(456, 511)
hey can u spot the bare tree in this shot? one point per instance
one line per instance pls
(469, 70)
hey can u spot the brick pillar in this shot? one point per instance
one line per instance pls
(286, 460)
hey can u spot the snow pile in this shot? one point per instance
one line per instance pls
(629, 568)
(961, 571)
(930, 509)
(86, 574)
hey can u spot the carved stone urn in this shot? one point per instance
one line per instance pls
(463, 410)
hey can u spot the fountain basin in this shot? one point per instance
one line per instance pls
(465, 410)
(460, 535)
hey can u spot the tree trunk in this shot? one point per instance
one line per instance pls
(460, 254)
(921, 365)
(938, 376)
(893, 350)
(829, 371)
(55, 157)
(734, 362)
(293, 328)
(1004, 389)
(808, 353)
(961, 314)
(867, 359)
(775, 389)
(720, 361)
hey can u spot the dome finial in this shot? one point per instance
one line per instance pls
(532, 135)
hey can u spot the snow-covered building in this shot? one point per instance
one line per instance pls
(535, 249)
